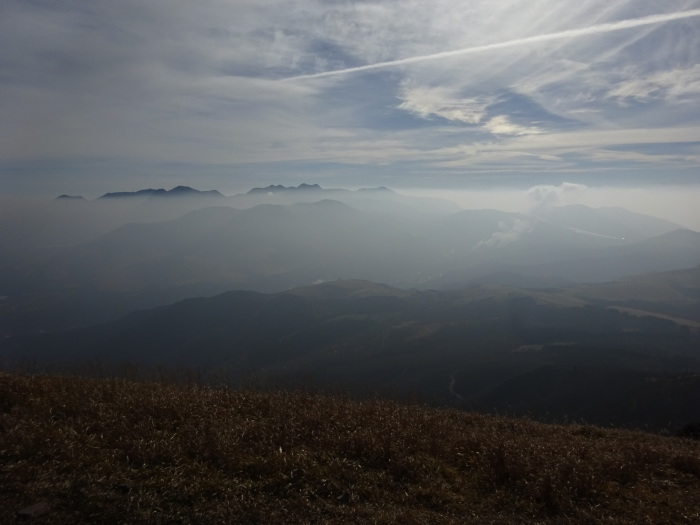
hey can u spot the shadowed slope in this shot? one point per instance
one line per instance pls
(114, 451)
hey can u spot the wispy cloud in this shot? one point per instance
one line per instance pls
(671, 85)
(501, 125)
(536, 39)
(442, 102)
(359, 90)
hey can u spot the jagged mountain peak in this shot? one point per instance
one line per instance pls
(278, 188)
(150, 192)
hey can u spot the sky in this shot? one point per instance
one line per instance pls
(441, 95)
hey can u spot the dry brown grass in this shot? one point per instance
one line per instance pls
(116, 451)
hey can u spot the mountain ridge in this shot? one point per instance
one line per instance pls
(482, 345)
(176, 191)
(270, 247)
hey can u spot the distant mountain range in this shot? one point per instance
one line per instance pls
(580, 352)
(381, 199)
(560, 312)
(300, 193)
(178, 191)
(275, 247)
(70, 197)
(72, 263)
(278, 188)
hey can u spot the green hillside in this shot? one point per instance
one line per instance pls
(116, 451)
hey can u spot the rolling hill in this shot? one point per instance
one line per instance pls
(545, 353)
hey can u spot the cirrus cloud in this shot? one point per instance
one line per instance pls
(386, 92)
(442, 102)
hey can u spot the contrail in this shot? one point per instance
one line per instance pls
(569, 33)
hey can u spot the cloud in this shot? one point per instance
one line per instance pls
(581, 141)
(535, 39)
(624, 156)
(548, 195)
(442, 102)
(501, 125)
(672, 85)
(506, 234)
(500, 87)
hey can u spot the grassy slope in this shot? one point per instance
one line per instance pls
(114, 451)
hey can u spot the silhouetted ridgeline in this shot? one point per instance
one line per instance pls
(555, 355)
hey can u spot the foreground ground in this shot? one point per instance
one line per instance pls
(115, 451)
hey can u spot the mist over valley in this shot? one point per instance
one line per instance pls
(143, 249)
(350, 262)
(560, 312)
